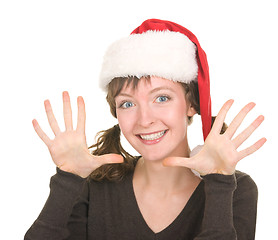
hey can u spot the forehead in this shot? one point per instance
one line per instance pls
(149, 84)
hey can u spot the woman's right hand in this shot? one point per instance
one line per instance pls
(69, 150)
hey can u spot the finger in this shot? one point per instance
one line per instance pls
(67, 111)
(238, 119)
(51, 118)
(256, 146)
(41, 133)
(109, 159)
(248, 131)
(178, 162)
(81, 118)
(218, 123)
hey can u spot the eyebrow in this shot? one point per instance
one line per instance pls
(161, 88)
(151, 92)
(124, 95)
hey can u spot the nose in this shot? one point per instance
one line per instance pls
(145, 116)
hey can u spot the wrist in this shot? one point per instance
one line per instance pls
(67, 170)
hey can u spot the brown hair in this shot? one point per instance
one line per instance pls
(108, 141)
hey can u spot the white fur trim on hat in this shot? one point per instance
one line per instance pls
(166, 54)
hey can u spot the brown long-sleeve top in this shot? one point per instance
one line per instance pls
(221, 208)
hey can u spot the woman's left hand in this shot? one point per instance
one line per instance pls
(219, 153)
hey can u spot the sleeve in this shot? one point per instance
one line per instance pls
(245, 208)
(230, 208)
(64, 210)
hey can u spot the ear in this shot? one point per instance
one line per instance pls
(191, 111)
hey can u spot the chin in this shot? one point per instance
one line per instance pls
(154, 156)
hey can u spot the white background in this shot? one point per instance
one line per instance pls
(47, 47)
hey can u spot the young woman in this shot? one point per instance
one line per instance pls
(156, 81)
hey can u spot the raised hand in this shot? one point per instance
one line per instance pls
(219, 153)
(69, 150)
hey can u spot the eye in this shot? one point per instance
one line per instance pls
(126, 105)
(162, 99)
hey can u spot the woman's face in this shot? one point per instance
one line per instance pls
(153, 118)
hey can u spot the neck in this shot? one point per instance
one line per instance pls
(165, 180)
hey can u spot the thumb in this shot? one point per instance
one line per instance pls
(178, 162)
(109, 159)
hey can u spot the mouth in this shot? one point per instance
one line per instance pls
(153, 137)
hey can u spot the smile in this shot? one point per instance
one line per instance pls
(153, 136)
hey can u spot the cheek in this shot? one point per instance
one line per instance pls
(176, 120)
(177, 114)
(125, 122)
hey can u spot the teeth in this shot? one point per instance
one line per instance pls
(153, 136)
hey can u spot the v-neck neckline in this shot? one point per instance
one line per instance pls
(140, 216)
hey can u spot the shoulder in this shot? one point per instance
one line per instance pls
(111, 185)
(244, 180)
(246, 186)
(105, 193)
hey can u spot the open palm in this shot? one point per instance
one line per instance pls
(219, 153)
(69, 149)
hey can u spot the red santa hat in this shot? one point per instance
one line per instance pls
(164, 49)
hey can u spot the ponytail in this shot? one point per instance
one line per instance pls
(108, 141)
